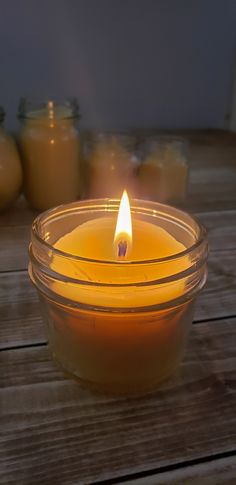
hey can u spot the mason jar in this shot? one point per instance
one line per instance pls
(110, 164)
(118, 326)
(163, 173)
(50, 146)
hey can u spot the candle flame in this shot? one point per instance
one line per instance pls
(123, 232)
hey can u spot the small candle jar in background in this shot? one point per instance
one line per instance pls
(163, 175)
(110, 165)
(10, 167)
(118, 326)
(50, 149)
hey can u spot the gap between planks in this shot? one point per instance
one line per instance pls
(208, 470)
(79, 437)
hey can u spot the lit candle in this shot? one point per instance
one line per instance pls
(102, 239)
(118, 292)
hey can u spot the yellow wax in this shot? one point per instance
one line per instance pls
(51, 160)
(115, 338)
(163, 178)
(94, 239)
(110, 161)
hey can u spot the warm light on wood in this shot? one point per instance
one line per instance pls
(123, 232)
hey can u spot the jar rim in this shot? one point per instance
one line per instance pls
(115, 204)
(30, 106)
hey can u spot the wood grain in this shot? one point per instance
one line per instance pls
(52, 431)
(221, 229)
(218, 300)
(14, 244)
(217, 472)
(20, 319)
(212, 178)
(21, 323)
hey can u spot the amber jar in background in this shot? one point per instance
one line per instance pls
(110, 163)
(163, 174)
(49, 142)
(10, 167)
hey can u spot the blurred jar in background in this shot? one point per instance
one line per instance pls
(163, 174)
(10, 167)
(49, 142)
(110, 164)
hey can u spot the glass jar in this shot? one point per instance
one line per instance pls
(10, 167)
(119, 327)
(50, 146)
(111, 164)
(163, 174)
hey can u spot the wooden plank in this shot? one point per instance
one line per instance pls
(14, 240)
(210, 196)
(52, 431)
(212, 155)
(218, 300)
(21, 324)
(220, 472)
(20, 319)
(221, 229)
(212, 179)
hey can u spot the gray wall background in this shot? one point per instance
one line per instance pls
(162, 63)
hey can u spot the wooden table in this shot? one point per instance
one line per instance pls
(53, 432)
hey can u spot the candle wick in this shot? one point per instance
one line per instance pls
(122, 249)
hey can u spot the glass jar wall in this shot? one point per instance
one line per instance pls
(118, 326)
(110, 164)
(163, 173)
(49, 142)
